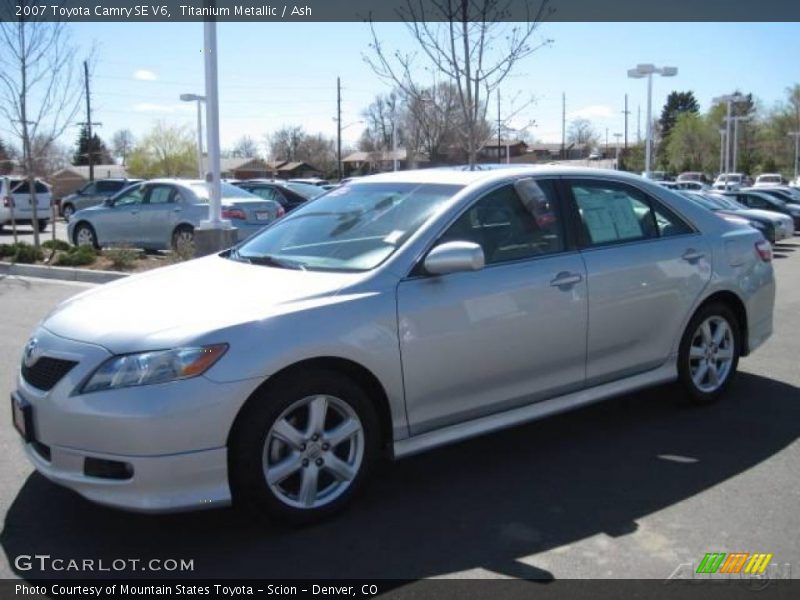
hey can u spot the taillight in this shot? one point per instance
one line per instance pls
(764, 250)
(281, 211)
(8, 202)
(233, 213)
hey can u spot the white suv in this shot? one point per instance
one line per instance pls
(16, 194)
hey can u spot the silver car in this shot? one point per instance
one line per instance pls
(92, 194)
(163, 213)
(393, 315)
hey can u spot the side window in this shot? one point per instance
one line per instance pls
(513, 222)
(131, 197)
(40, 188)
(90, 188)
(612, 212)
(267, 193)
(160, 194)
(668, 223)
(21, 187)
(108, 187)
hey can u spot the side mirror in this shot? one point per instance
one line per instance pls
(108, 202)
(454, 257)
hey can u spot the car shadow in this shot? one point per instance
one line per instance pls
(481, 503)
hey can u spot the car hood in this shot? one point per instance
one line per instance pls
(175, 305)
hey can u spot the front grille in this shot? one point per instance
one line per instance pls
(46, 372)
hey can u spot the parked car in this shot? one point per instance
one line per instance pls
(692, 176)
(784, 192)
(783, 223)
(730, 181)
(309, 180)
(763, 198)
(388, 317)
(17, 199)
(163, 213)
(92, 194)
(655, 175)
(769, 179)
(772, 230)
(288, 194)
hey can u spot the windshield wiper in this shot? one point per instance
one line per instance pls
(272, 261)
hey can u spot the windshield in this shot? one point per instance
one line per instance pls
(725, 202)
(769, 179)
(352, 228)
(228, 191)
(732, 178)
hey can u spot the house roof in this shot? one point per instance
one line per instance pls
(228, 165)
(503, 143)
(291, 166)
(381, 156)
(100, 172)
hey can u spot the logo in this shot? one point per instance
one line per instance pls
(735, 562)
(32, 352)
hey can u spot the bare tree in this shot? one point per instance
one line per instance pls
(122, 144)
(581, 132)
(380, 119)
(284, 143)
(467, 43)
(39, 88)
(245, 147)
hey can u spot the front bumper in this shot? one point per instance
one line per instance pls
(173, 436)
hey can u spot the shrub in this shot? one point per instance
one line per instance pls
(76, 256)
(7, 250)
(121, 257)
(26, 254)
(57, 245)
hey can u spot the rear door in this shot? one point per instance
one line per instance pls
(119, 223)
(159, 215)
(646, 267)
(512, 333)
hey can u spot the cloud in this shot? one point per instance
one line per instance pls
(161, 108)
(594, 111)
(144, 75)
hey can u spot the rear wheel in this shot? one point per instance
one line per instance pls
(709, 353)
(301, 451)
(67, 211)
(183, 240)
(85, 236)
(42, 225)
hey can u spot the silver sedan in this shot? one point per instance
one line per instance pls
(393, 315)
(163, 213)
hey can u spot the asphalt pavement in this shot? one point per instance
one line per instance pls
(630, 488)
(25, 233)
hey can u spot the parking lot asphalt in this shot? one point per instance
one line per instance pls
(25, 233)
(629, 488)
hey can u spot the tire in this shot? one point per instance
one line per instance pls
(67, 211)
(182, 238)
(85, 235)
(311, 477)
(42, 226)
(709, 353)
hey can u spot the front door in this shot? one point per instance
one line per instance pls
(510, 334)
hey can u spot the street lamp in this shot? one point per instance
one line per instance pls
(640, 72)
(736, 137)
(729, 100)
(722, 133)
(199, 99)
(616, 152)
(796, 135)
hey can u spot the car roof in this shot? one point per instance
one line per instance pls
(461, 175)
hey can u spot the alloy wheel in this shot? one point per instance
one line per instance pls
(85, 237)
(313, 451)
(711, 354)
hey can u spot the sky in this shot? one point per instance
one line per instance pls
(276, 74)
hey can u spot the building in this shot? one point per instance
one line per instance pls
(493, 152)
(364, 163)
(296, 169)
(67, 180)
(241, 168)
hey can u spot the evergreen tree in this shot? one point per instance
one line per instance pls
(97, 147)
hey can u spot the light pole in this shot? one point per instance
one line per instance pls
(616, 152)
(736, 138)
(648, 70)
(729, 100)
(796, 135)
(199, 100)
(721, 150)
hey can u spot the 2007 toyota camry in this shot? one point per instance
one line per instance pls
(391, 315)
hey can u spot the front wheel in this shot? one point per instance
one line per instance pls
(302, 449)
(67, 211)
(709, 353)
(85, 236)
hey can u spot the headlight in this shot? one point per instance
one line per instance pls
(159, 366)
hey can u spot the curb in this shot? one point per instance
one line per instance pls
(61, 273)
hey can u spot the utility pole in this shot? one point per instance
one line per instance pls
(563, 126)
(498, 126)
(90, 147)
(796, 136)
(626, 112)
(339, 127)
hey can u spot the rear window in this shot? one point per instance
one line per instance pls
(20, 186)
(228, 191)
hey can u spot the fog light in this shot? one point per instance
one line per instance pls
(107, 469)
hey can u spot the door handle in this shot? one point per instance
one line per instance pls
(692, 255)
(566, 278)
